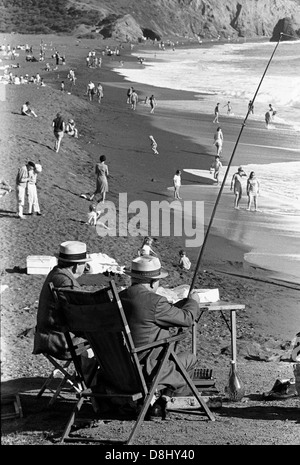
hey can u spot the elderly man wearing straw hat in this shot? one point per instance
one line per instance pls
(150, 316)
(49, 337)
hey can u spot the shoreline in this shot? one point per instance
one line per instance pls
(163, 120)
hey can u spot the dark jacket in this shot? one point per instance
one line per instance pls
(149, 317)
(49, 337)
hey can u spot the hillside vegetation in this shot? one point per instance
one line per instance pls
(137, 19)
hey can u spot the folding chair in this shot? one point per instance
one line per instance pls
(60, 367)
(106, 329)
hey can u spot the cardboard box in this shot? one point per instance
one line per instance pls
(40, 264)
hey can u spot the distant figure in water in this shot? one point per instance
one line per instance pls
(269, 116)
(216, 120)
(250, 107)
(152, 102)
(252, 191)
(229, 107)
(236, 185)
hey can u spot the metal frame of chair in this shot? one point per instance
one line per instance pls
(102, 325)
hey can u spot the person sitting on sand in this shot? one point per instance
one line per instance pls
(184, 261)
(236, 184)
(71, 129)
(153, 145)
(26, 110)
(5, 188)
(146, 247)
(93, 217)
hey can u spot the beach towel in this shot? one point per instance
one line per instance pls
(101, 263)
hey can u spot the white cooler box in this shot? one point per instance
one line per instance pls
(40, 264)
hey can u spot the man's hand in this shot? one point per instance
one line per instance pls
(194, 295)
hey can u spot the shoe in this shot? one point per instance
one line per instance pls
(22, 217)
(158, 409)
(39, 214)
(281, 390)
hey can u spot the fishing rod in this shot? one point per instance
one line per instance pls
(229, 164)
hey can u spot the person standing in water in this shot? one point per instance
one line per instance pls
(236, 185)
(252, 191)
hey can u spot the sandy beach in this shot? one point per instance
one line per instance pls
(271, 319)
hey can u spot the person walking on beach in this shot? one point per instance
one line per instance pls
(236, 185)
(218, 140)
(33, 202)
(134, 99)
(129, 92)
(101, 171)
(90, 90)
(21, 184)
(177, 184)
(99, 92)
(252, 191)
(229, 107)
(215, 168)
(153, 145)
(216, 120)
(72, 78)
(152, 102)
(58, 129)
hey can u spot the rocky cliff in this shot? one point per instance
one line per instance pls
(135, 19)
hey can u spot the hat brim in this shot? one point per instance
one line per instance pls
(69, 260)
(133, 274)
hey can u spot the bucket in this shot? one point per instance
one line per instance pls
(296, 367)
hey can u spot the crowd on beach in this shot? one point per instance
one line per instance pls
(61, 127)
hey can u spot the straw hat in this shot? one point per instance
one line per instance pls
(73, 252)
(146, 267)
